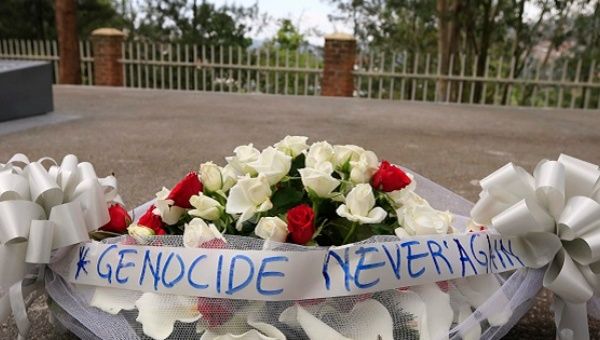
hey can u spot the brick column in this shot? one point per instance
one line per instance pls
(68, 42)
(107, 49)
(340, 54)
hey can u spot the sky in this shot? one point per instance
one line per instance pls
(306, 14)
(312, 14)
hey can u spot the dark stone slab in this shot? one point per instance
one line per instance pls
(25, 89)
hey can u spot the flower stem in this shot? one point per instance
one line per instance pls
(315, 207)
(350, 233)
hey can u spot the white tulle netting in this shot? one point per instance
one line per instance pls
(474, 313)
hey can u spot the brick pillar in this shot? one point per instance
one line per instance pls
(108, 49)
(340, 54)
(68, 42)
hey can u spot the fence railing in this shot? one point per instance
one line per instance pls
(220, 68)
(562, 84)
(47, 50)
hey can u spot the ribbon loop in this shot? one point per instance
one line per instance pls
(564, 278)
(539, 249)
(69, 221)
(592, 275)
(15, 220)
(13, 187)
(509, 183)
(523, 217)
(550, 186)
(486, 208)
(581, 177)
(39, 249)
(580, 216)
(585, 250)
(43, 210)
(44, 189)
(559, 227)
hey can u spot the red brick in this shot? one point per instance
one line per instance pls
(340, 55)
(107, 49)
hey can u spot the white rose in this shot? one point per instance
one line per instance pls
(360, 206)
(318, 153)
(407, 195)
(423, 220)
(244, 154)
(205, 207)
(140, 233)
(249, 196)
(164, 207)
(363, 169)
(402, 198)
(346, 153)
(319, 180)
(272, 228)
(197, 232)
(229, 177)
(292, 145)
(273, 164)
(210, 175)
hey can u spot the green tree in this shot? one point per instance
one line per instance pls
(197, 22)
(34, 19)
(390, 24)
(288, 37)
(477, 29)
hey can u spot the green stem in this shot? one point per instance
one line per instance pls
(315, 208)
(350, 233)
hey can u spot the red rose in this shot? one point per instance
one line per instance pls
(152, 221)
(301, 223)
(389, 178)
(189, 186)
(215, 311)
(119, 220)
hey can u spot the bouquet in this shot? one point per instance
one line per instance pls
(317, 195)
(300, 241)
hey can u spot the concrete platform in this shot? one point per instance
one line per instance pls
(152, 138)
(25, 89)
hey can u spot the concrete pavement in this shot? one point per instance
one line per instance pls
(152, 138)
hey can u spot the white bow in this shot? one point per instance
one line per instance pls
(40, 211)
(555, 217)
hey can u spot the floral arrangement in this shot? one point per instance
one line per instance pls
(318, 194)
(322, 200)
(310, 195)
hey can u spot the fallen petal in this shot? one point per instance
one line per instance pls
(113, 300)
(158, 313)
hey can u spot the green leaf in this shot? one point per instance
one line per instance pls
(248, 226)
(383, 228)
(383, 200)
(297, 163)
(99, 235)
(345, 168)
(285, 198)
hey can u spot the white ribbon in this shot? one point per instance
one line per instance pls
(42, 210)
(554, 216)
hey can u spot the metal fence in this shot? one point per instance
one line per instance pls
(47, 50)
(563, 83)
(221, 68)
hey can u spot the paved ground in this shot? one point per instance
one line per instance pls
(151, 138)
